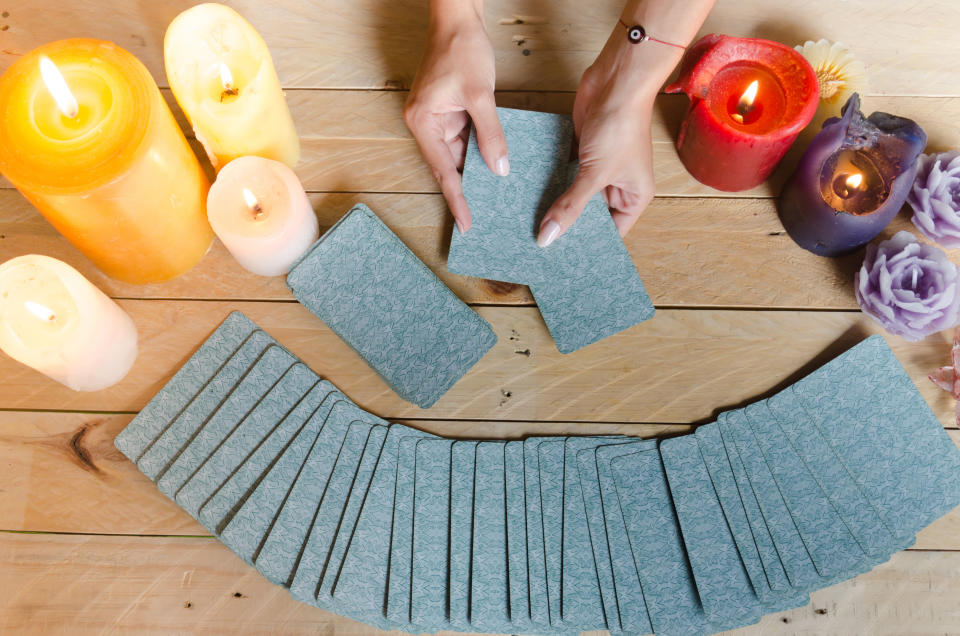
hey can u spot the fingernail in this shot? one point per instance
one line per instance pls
(503, 166)
(460, 226)
(548, 233)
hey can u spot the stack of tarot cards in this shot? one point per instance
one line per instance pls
(585, 283)
(402, 529)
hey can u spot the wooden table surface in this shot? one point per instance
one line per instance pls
(89, 545)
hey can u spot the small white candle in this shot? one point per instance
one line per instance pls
(54, 320)
(259, 210)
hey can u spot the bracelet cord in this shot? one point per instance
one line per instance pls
(637, 34)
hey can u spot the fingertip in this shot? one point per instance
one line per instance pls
(460, 213)
(550, 231)
(502, 166)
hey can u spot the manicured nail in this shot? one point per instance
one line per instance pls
(548, 233)
(503, 166)
(460, 226)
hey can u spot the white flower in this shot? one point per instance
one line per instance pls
(839, 75)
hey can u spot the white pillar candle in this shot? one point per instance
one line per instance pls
(54, 320)
(259, 210)
(222, 75)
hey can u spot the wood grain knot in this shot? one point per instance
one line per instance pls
(499, 288)
(82, 454)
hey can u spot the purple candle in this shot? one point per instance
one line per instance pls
(851, 181)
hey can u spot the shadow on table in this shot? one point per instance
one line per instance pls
(848, 339)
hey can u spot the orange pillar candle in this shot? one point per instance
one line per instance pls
(87, 138)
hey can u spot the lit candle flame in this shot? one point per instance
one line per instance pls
(745, 105)
(226, 77)
(251, 200)
(40, 311)
(58, 88)
(746, 100)
(854, 181)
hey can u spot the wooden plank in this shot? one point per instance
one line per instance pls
(537, 45)
(161, 585)
(63, 474)
(680, 246)
(690, 252)
(679, 367)
(356, 141)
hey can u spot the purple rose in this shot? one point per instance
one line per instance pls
(935, 198)
(910, 288)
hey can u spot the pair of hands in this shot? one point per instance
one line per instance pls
(611, 115)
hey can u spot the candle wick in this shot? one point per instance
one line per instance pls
(226, 78)
(253, 203)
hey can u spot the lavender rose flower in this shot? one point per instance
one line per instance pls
(935, 198)
(910, 288)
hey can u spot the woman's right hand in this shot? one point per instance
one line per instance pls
(453, 86)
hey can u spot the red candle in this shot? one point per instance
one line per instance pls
(749, 99)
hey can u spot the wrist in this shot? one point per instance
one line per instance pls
(450, 16)
(640, 69)
(668, 21)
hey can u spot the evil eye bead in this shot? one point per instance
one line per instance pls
(636, 34)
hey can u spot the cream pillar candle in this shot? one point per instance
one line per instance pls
(259, 210)
(222, 75)
(54, 320)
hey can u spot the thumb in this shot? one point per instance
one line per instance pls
(490, 137)
(567, 209)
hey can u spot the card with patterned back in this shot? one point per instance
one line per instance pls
(233, 448)
(726, 594)
(166, 447)
(259, 380)
(373, 292)
(631, 601)
(189, 379)
(657, 547)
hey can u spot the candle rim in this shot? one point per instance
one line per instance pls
(229, 180)
(713, 53)
(191, 24)
(66, 330)
(93, 160)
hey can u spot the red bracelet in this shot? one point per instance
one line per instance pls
(637, 34)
